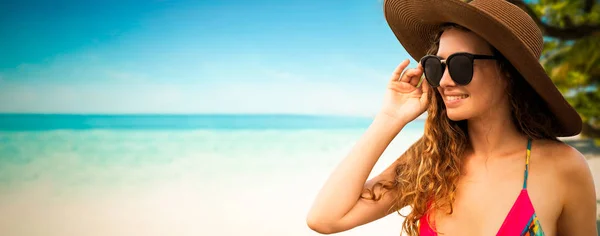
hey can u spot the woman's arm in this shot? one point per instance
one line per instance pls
(578, 216)
(338, 207)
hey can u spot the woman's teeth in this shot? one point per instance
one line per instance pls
(452, 98)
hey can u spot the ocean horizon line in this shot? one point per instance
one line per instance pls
(183, 114)
(294, 115)
(220, 121)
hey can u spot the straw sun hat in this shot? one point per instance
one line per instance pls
(505, 26)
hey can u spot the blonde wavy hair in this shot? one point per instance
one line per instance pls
(426, 175)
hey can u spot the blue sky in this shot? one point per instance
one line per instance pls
(302, 57)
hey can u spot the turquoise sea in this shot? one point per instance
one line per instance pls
(171, 174)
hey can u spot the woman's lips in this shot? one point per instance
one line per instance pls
(455, 100)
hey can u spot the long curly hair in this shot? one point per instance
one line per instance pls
(426, 175)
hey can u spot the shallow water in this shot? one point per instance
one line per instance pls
(176, 181)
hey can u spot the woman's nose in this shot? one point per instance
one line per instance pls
(446, 80)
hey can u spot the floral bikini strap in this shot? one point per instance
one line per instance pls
(527, 163)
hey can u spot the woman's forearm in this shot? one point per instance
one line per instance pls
(344, 186)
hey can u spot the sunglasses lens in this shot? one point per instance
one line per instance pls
(433, 70)
(461, 69)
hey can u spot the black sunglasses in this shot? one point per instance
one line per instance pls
(460, 66)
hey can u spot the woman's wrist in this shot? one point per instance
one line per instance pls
(390, 121)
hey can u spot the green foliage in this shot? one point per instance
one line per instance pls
(565, 13)
(573, 65)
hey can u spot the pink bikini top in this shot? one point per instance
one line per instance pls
(521, 220)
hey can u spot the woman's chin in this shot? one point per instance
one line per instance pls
(456, 115)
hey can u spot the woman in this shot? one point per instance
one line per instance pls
(489, 162)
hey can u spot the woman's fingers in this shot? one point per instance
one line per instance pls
(425, 88)
(421, 81)
(415, 76)
(412, 76)
(398, 71)
(421, 76)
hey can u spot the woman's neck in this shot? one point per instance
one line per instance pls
(494, 135)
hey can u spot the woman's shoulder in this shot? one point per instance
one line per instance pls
(560, 160)
(558, 153)
(566, 173)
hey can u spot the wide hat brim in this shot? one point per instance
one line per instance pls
(505, 26)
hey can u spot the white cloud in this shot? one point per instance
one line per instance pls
(292, 97)
(221, 86)
(272, 97)
(282, 75)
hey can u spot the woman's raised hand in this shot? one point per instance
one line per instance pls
(403, 100)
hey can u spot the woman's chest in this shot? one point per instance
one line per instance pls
(483, 202)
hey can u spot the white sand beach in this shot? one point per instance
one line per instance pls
(255, 189)
(191, 194)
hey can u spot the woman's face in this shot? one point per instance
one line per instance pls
(485, 92)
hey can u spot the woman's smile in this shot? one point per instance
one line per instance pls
(454, 100)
